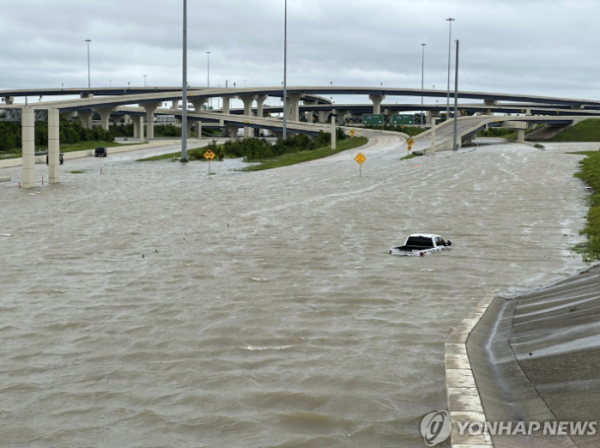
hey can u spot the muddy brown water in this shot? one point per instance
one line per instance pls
(155, 305)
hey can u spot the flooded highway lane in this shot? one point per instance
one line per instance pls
(157, 305)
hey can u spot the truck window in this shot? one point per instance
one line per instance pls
(419, 241)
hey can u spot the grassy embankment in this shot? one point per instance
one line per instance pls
(590, 174)
(585, 131)
(295, 149)
(408, 130)
(509, 134)
(305, 156)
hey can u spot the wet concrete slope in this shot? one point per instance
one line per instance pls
(537, 358)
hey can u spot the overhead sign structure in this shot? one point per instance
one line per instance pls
(209, 155)
(360, 158)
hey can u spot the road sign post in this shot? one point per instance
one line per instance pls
(409, 142)
(209, 155)
(352, 132)
(360, 158)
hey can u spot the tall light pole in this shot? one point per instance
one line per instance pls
(456, 96)
(145, 80)
(449, 20)
(208, 76)
(89, 76)
(422, 77)
(184, 158)
(285, 111)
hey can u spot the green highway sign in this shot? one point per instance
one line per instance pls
(399, 119)
(372, 119)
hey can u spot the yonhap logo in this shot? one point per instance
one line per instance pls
(435, 427)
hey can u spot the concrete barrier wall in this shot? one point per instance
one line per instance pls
(464, 401)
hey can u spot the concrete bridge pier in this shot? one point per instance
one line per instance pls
(225, 102)
(248, 100)
(293, 101)
(232, 131)
(53, 146)
(310, 114)
(138, 127)
(9, 100)
(520, 135)
(490, 104)
(323, 116)
(150, 109)
(86, 118)
(198, 103)
(28, 146)
(431, 116)
(104, 113)
(377, 100)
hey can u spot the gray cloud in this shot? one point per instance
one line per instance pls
(532, 46)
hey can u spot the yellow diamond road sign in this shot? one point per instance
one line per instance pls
(360, 158)
(352, 133)
(410, 142)
(209, 155)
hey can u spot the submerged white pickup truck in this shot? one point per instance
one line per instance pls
(421, 244)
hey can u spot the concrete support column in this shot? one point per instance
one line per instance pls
(226, 101)
(53, 146)
(377, 100)
(248, 100)
(138, 127)
(175, 104)
(9, 99)
(85, 118)
(490, 103)
(87, 95)
(322, 116)
(198, 103)
(68, 115)
(341, 115)
(260, 101)
(333, 132)
(232, 130)
(28, 146)
(520, 135)
(198, 126)
(431, 115)
(150, 109)
(104, 113)
(190, 123)
(294, 106)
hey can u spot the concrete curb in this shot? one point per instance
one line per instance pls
(464, 401)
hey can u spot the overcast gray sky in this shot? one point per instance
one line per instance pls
(542, 47)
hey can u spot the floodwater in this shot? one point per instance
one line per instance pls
(154, 305)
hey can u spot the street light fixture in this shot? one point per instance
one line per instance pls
(449, 20)
(88, 51)
(422, 77)
(285, 111)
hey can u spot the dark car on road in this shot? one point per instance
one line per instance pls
(60, 158)
(100, 152)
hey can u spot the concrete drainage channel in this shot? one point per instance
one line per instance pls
(464, 401)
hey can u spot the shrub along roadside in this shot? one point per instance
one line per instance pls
(590, 174)
(295, 149)
(408, 130)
